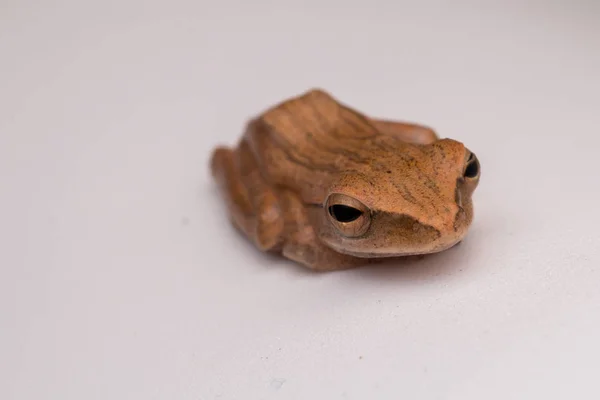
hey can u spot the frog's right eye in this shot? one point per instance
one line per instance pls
(349, 216)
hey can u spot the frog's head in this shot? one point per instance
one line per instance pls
(411, 199)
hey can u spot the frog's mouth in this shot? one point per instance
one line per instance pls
(365, 248)
(396, 252)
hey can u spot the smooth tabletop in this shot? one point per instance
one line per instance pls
(122, 278)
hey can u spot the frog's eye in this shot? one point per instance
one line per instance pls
(472, 168)
(344, 213)
(348, 215)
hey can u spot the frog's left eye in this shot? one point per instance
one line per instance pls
(348, 215)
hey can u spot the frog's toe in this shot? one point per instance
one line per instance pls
(269, 226)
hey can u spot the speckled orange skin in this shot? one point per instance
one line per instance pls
(309, 155)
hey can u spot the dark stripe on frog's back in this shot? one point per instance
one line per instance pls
(321, 138)
(314, 128)
(282, 164)
(327, 139)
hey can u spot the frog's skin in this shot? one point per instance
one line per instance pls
(299, 165)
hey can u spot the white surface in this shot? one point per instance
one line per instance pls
(121, 277)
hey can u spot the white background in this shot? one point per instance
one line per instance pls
(121, 277)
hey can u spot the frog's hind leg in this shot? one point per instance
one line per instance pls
(407, 132)
(253, 206)
(256, 210)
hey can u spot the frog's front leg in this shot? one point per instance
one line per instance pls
(252, 204)
(301, 243)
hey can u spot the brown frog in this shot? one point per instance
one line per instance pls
(331, 188)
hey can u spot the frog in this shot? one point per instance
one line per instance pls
(328, 187)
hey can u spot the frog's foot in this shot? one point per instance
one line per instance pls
(269, 222)
(318, 257)
(302, 244)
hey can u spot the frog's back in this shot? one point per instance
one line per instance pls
(305, 142)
